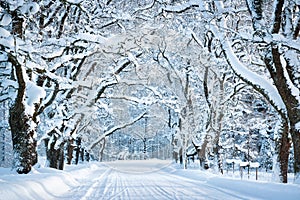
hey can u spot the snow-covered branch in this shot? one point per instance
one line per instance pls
(182, 7)
(266, 87)
(253, 79)
(114, 129)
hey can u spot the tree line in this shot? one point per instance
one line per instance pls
(210, 74)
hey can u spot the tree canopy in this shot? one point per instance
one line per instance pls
(216, 79)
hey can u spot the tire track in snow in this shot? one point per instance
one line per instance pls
(165, 184)
(179, 188)
(134, 186)
(89, 189)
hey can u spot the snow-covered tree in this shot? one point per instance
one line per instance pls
(267, 45)
(233, 32)
(74, 73)
(34, 68)
(276, 39)
(16, 54)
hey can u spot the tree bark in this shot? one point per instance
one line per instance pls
(101, 151)
(51, 153)
(23, 134)
(70, 148)
(295, 133)
(77, 150)
(283, 145)
(24, 142)
(61, 156)
(54, 153)
(202, 154)
(291, 103)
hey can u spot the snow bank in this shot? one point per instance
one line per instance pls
(248, 189)
(39, 184)
(257, 189)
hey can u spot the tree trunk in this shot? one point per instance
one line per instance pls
(145, 148)
(61, 156)
(82, 154)
(55, 155)
(77, 150)
(101, 151)
(180, 156)
(24, 143)
(290, 100)
(218, 157)
(201, 154)
(17, 24)
(86, 156)
(283, 147)
(175, 156)
(51, 153)
(296, 146)
(70, 148)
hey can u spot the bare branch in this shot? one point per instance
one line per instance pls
(114, 129)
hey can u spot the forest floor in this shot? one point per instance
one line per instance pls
(147, 179)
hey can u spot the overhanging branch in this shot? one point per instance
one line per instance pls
(114, 129)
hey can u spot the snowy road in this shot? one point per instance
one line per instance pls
(152, 180)
(116, 184)
(135, 180)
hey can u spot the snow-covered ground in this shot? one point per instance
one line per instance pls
(148, 179)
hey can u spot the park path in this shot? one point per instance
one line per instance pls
(145, 180)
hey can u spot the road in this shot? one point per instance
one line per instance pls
(136, 180)
(146, 180)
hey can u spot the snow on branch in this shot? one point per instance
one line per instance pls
(117, 72)
(197, 40)
(261, 84)
(74, 2)
(114, 129)
(265, 87)
(131, 59)
(291, 44)
(4, 97)
(149, 6)
(127, 98)
(182, 7)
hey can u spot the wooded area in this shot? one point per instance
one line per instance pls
(104, 79)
